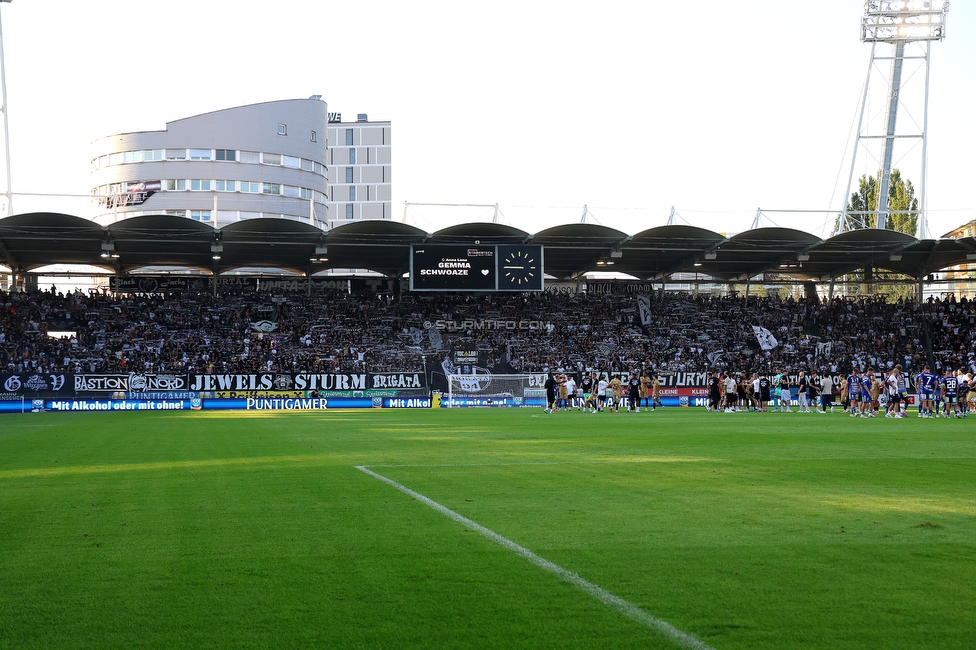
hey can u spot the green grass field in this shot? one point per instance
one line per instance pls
(256, 530)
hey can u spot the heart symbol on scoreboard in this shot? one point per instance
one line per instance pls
(484, 271)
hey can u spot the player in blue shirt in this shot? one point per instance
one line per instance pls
(853, 392)
(949, 391)
(866, 380)
(926, 383)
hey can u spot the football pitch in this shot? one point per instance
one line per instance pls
(486, 528)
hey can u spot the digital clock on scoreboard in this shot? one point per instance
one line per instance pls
(520, 268)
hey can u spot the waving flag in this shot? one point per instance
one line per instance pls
(766, 339)
(644, 304)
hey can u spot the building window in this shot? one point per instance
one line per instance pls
(178, 184)
(282, 129)
(200, 154)
(226, 186)
(200, 215)
(250, 187)
(348, 137)
(307, 165)
(352, 193)
(226, 154)
(349, 211)
(198, 185)
(176, 154)
(352, 156)
(271, 188)
(348, 174)
(250, 157)
(152, 154)
(271, 158)
(313, 137)
(133, 156)
(291, 161)
(306, 193)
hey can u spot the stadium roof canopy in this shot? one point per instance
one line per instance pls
(31, 241)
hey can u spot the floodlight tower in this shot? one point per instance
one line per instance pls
(899, 31)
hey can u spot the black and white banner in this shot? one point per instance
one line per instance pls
(308, 381)
(644, 305)
(132, 382)
(34, 384)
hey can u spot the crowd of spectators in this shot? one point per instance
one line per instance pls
(341, 332)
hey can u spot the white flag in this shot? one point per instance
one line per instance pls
(644, 303)
(824, 349)
(766, 339)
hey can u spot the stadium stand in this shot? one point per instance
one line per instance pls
(341, 332)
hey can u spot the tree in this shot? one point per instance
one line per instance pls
(902, 205)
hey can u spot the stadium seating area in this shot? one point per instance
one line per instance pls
(518, 332)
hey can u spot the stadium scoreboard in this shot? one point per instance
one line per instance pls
(460, 267)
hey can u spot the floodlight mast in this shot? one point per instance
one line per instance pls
(896, 23)
(6, 128)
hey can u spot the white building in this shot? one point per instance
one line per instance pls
(360, 155)
(271, 159)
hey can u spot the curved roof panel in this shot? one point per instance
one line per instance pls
(161, 240)
(573, 249)
(658, 252)
(931, 255)
(29, 241)
(850, 251)
(269, 242)
(380, 245)
(480, 233)
(749, 253)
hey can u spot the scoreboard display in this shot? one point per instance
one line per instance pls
(459, 267)
(443, 267)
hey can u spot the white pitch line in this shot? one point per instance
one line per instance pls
(626, 608)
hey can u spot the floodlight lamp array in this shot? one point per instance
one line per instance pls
(887, 21)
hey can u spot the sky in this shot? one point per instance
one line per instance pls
(713, 108)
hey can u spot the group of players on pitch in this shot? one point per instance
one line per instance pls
(862, 394)
(595, 394)
(950, 395)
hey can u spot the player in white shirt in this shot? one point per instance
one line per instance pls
(601, 393)
(891, 390)
(571, 393)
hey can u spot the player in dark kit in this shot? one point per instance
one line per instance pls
(714, 392)
(551, 384)
(764, 396)
(586, 387)
(633, 393)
